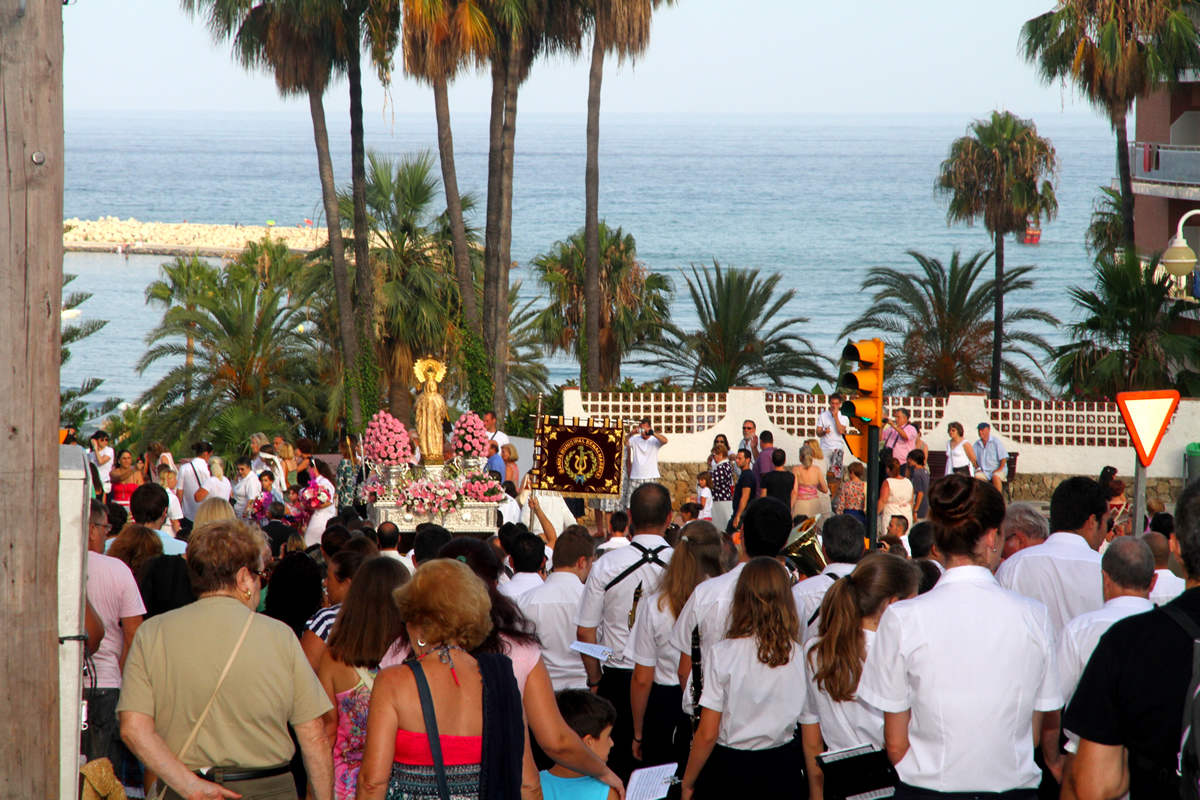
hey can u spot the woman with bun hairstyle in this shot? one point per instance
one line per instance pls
(660, 728)
(964, 672)
(834, 717)
(753, 694)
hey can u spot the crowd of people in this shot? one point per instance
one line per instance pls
(982, 649)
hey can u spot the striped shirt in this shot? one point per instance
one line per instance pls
(321, 623)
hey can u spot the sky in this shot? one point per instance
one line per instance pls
(705, 56)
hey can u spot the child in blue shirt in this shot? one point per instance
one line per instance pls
(592, 717)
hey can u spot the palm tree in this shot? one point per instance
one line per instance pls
(522, 30)
(304, 56)
(742, 339)
(1114, 52)
(1133, 335)
(419, 299)
(249, 349)
(183, 281)
(937, 334)
(1104, 230)
(72, 409)
(621, 27)
(634, 305)
(441, 38)
(1001, 173)
(527, 374)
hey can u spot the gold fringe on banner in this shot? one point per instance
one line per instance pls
(585, 461)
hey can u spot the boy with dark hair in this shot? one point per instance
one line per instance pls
(429, 541)
(690, 512)
(592, 717)
(528, 554)
(920, 481)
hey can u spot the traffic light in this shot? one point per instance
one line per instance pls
(865, 383)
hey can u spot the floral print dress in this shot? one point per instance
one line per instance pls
(722, 481)
(351, 734)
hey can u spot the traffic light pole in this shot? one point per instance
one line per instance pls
(873, 486)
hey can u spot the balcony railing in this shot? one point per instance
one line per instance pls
(1165, 163)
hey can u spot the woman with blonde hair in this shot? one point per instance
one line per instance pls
(213, 509)
(508, 452)
(654, 692)
(750, 706)
(834, 717)
(810, 484)
(468, 704)
(216, 485)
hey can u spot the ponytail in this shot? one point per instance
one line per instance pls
(697, 558)
(841, 646)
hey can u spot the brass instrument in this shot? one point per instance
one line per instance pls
(803, 550)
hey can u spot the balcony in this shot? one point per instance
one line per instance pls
(1165, 170)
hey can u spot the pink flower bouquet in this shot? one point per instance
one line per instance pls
(470, 436)
(386, 440)
(314, 496)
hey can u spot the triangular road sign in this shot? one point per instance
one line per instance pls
(1147, 416)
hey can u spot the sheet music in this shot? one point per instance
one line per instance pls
(651, 783)
(597, 651)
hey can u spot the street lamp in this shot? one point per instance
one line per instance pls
(1179, 259)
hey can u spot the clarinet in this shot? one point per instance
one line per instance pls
(697, 679)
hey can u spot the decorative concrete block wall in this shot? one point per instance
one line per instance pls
(1053, 438)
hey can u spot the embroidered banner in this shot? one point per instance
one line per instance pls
(579, 460)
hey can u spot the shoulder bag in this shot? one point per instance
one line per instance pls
(208, 706)
(431, 729)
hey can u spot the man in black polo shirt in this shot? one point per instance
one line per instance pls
(746, 488)
(1128, 709)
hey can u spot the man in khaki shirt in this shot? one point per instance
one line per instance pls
(173, 667)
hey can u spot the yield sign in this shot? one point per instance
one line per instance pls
(1147, 416)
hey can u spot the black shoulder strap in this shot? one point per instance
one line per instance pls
(1189, 626)
(697, 678)
(431, 729)
(816, 614)
(648, 557)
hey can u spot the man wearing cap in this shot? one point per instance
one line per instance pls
(991, 457)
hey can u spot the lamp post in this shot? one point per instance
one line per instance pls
(1179, 259)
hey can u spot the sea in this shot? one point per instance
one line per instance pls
(818, 199)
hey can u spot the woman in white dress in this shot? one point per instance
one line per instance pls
(834, 717)
(324, 477)
(960, 456)
(895, 497)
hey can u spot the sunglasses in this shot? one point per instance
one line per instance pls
(261, 573)
(106, 526)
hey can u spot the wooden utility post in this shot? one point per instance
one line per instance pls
(31, 48)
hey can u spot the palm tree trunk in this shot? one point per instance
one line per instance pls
(1123, 169)
(364, 273)
(337, 249)
(458, 229)
(188, 360)
(400, 400)
(508, 140)
(591, 225)
(491, 243)
(998, 325)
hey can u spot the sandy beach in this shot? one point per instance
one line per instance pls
(110, 234)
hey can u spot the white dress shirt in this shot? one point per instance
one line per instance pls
(972, 662)
(1081, 635)
(1167, 587)
(551, 608)
(843, 724)
(612, 544)
(760, 705)
(499, 437)
(832, 440)
(1063, 573)
(608, 611)
(811, 591)
(403, 558)
(708, 609)
(555, 510)
(650, 640)
(519, 584)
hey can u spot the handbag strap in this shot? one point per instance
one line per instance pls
(431, 729)
(208, 706)
(366, 677)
